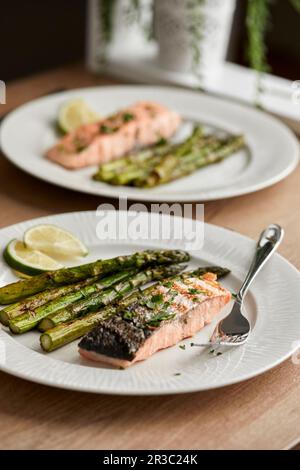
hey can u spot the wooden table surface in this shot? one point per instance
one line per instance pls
(262, 413)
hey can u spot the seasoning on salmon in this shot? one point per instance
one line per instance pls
(141, 124)
(175, 309)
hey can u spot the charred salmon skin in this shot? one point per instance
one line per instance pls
(174, 310)
(141, 124)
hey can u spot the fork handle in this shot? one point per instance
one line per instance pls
(268, 243)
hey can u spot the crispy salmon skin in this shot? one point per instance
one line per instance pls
(141, 124)
(174, 310)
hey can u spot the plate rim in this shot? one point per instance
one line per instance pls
(110, 192)
(142, 392)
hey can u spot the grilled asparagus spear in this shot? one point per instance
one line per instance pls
(107, 171)
(96, 301)
(22, 289)
(67, 332)
(172, 168)
(135, 169)
(30, 320)
(37, 300)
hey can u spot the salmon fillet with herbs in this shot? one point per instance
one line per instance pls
(141, 124)
(176, 309)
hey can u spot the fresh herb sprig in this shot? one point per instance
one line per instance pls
(257, 23)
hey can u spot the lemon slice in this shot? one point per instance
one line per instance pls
(73, 114)
(28, 261)
(54, 241)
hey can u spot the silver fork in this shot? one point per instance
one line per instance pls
(235, 328)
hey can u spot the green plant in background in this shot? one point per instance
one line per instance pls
(257, 23)
(196, 28)
(195, 24)
(296, 4)
(106, 10)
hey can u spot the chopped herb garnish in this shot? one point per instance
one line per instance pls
(159, 317)
(234, 295)
(107, 130)
(192, 290)
(219, 353)
(182, 346)
(177, 373)
(127, 117)
(168, 284)
(192, 344)
(155, 300)
(195, 299)
(128, 315)
(162, 141)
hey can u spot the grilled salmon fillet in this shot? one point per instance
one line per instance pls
(141, 124)
(175, 309)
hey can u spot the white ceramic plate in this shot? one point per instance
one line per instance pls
(272, 307)
(272, 154)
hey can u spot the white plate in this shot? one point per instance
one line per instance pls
(272, 307)
(273, 150)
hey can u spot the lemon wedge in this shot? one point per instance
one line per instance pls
(73, 114)
(27, 261)
(54, 241)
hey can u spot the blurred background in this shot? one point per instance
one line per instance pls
(39, 35)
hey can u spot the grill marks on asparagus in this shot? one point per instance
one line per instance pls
(98, 300)
(30, 319)
(23, 289)
(171, 161)
(86, 308)
(101, 296)
(42, 298)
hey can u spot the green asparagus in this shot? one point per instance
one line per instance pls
(22, 289)
(30, 320)
(173, 162)
(107, 171)
(171, 170)
(37, 300)
(161, 172)
(133, 170)
(96, 301)
(67, 332)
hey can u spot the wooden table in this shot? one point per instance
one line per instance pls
(261, 413)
